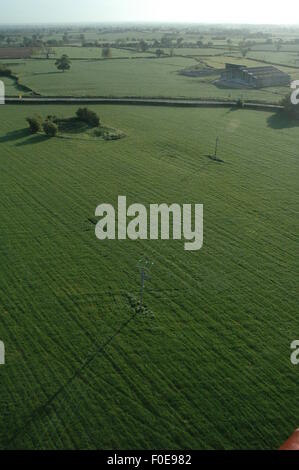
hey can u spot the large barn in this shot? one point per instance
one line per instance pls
(255, 77)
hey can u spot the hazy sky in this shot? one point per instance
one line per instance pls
(199, 11)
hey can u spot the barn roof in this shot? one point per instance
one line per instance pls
(257, 71)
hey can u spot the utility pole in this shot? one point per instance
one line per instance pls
(144, 267)
(216, 146)
(143, 277)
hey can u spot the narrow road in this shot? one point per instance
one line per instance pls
(139, 101)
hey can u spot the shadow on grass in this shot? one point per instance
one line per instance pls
(47, 73)
(214, 158)
(15, 135)
(232, 109)
(34, 139)
(73, 126)
(281, 121)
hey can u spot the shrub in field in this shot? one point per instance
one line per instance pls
(113, 135)
(240, 103)
(52, 118)
(159, 52)
(5, 72)
(88, 116)
(244, 51)
(291, 111)
(99, 132)
(143, 46)
(50, 128)
(106, 53)
(35, 124)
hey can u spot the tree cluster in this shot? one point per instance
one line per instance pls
(36, 125)
(89, 117)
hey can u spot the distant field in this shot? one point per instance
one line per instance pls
(220, 61)
(119, 78)
(272, 47)
(107, 36)
(287, 58)
(94, 53)
(211, 368)
(15, 52)
(11, 87)
(195, 51)
(142, 77)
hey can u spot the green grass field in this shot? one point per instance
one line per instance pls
(211, 367)
(195, 51)
(272, 48)
(285, 58)
(142, 77)
(94, 53)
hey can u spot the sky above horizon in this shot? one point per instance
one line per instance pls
(188, 11)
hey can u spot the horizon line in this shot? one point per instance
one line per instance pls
(143, 22)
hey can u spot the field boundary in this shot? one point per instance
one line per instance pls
(143, 102)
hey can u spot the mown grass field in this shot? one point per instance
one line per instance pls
(272, 48)
(195, 51)
(142, 77)
(137, 77)
(211, 367)
(285, 58)
(76, 52)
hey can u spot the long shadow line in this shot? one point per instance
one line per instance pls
(43, 409)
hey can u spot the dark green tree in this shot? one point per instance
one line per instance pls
(50, 128)
(143, 45)
(106, 53)
(63, 63)
(35, 124)
(88, 116)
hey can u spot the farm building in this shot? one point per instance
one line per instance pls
(255, 77)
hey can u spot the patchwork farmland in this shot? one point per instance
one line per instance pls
(208, 365)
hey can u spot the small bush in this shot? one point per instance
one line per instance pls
(5, 71)
(35, 124)
(50, 128)
(240, 103)
(106, 53)
(52, 118)
(88, 116)
(290, 110)
(99, 132)
(112, 136)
